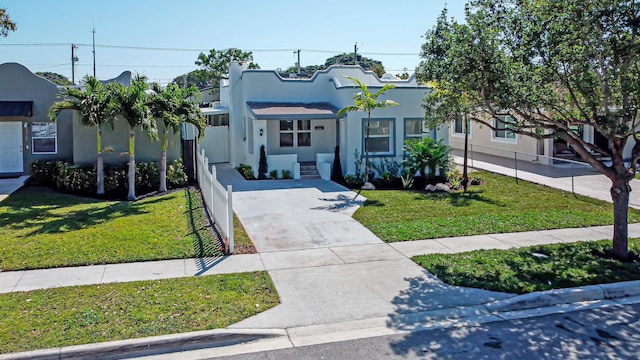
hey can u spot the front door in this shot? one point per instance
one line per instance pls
(11, 147)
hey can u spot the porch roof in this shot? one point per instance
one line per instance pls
(292, 110)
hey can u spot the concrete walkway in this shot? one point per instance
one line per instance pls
(8, 186)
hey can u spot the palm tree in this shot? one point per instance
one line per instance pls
(95, 106)
(366, 101)
(172, 106)
(131, 104)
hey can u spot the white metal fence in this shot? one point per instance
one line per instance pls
(218, 200)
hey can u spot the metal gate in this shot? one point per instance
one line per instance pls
(216, 143)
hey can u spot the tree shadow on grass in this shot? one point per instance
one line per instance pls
(208, 242)
(47, 212)
(339, 203)
(458, 198)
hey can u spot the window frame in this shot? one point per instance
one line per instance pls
(504, 139)
(455, 133)
(418, 136)
(54, 137)
(297, 129)
(391, 136)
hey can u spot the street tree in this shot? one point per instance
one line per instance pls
(549, 64)
(95, 106)
(55, 78)
(172, 106)
(366, 101)
(131, 104)
(6, 24)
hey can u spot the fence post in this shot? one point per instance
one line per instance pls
(515, 155)
(573, 190)
(230, 218)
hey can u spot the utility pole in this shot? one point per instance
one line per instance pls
(298, 63)
(355, 54)
(74, 59)
(94, 51)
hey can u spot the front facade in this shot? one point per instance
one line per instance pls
(27, 134)
(296, 119)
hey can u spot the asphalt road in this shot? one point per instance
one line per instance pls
(604, 333)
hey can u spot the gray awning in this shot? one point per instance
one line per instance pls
(16, 108)
(292, 110)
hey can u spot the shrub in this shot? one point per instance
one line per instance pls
(147, 177)
(176, 177)
(262, 165)
(352, 181)
(246, 171)
(407, 179)
(426, 154)
(43, 173)
(336, 171)
(273, 174)
(286, 174)
(75, 179)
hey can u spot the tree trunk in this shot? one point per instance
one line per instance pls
(465, 174)
(163, 165)
(132, 169)
(100, 165)
(620, 196)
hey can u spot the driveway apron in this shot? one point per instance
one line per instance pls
(326, 266)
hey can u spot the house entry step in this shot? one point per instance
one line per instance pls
(308, 170)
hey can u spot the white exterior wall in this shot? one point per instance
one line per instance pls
(326, 86)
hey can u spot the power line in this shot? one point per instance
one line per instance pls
(146, 48)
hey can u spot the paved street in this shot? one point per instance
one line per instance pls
(604, 333)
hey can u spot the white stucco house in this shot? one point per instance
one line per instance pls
(296, 119)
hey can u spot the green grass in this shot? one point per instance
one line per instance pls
(87, 314)
(520, 271)
(241, 240)
(501, 205)
(40, 228)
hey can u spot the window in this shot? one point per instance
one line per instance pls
(380, 136)
(413, 129)
(458, 125)
(44, 138)
(502, 132)
(218, 120)
(298, 130)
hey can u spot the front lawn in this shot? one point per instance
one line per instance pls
(535, 268)
(95, 313)
(499, 206)
(40, 228)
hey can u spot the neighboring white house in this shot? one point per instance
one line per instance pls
(502, 142)
(296, 119)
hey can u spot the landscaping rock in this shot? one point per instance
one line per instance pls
(368, 186)
(442, 187)
(430, 188)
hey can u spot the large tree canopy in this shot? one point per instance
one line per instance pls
(550, 64)
(6, 24)
(55, 78)
(213, 67)
(341, 59)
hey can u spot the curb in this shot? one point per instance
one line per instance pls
(548, 298)
(152, 345)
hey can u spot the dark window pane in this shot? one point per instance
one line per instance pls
(286, 125)
(304, 125)
(413, 127)
(379, 145)
(379, 127)
(44, 145)
(458, 125)
(304, 139)
(286, 140)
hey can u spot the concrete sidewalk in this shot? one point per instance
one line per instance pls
(322, 258)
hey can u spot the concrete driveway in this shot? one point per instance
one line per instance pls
(8, 186)
(327, 267)
(296, 214)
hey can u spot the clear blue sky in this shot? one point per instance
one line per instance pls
(271, 29)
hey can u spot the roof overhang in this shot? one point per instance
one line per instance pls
(292, 110)
(16, 108)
